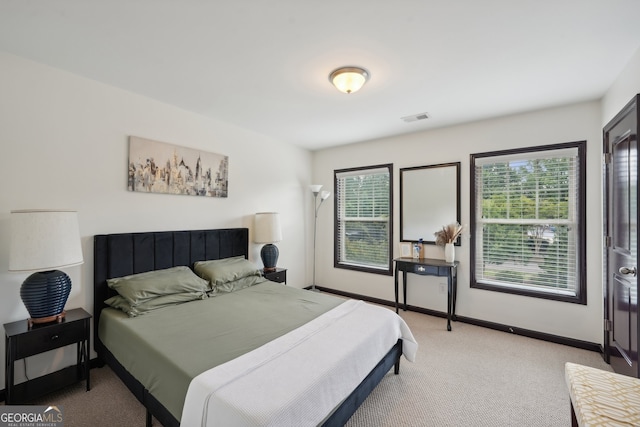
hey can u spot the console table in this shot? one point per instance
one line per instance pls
(429, 267)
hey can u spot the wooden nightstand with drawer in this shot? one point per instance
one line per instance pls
(21, 341)
(279, 275)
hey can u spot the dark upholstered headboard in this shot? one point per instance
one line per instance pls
(117, 255)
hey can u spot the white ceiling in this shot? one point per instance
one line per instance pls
(264, 65)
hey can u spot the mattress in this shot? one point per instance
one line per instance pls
(165, 349)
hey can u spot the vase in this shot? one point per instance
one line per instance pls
(449, 252)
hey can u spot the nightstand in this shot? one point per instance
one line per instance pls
(279, 275)
(22, 341)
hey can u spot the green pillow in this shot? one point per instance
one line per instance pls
(221, 261)
(119, 302)
(236, 285)
(138, 288)
(221, 271)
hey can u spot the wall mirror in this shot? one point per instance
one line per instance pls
(429, 199)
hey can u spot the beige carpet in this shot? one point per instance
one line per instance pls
(471, 376)
(474, 376)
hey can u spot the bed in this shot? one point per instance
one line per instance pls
(279, 315)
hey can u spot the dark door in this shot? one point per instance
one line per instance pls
(621, 211)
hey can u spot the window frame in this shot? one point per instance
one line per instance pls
(581, 203)
(388, 271)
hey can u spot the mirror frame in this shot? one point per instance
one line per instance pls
(427, 192)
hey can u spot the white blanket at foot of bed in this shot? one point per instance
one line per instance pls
(301, 377)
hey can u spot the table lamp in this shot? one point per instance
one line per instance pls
(43, 241)
(267, 230)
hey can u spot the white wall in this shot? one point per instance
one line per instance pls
(626, 86)
(571, 123)
(63, 141)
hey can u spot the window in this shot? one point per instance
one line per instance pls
(363, 219)
(528, 221)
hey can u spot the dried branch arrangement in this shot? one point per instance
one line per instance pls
(448, 233)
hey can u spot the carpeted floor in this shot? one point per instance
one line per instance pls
(471, 376)
(475, 376)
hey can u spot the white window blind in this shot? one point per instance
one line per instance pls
(526, 221)
(363, 218)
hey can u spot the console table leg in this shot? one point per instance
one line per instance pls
(455, 293)
(404, 288)
(396, 283)
(449, 300)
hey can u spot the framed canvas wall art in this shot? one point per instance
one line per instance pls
(158, 167)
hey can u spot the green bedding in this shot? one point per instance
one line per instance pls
(166, 348)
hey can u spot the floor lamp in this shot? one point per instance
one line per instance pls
(324, 195)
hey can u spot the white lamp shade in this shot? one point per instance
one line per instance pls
(44, 240)
(325, 195)
(315, 188)
(267, 227)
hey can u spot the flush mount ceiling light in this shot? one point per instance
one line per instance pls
(349, 79)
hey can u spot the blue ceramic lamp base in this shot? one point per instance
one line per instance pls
(269, 255)
(45, 294)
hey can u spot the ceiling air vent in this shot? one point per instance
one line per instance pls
(415, 117)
